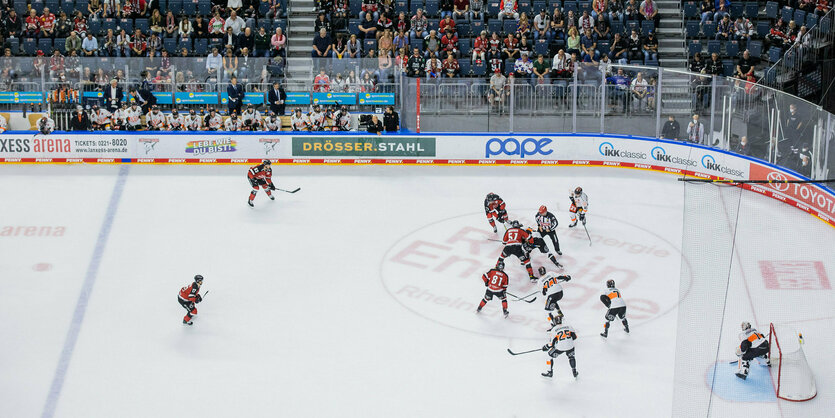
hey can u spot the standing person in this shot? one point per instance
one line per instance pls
(695, 130)
(80, 121)
(495, 280)
(561, 342)
(552, 289)
(513, 241)
(260, 176)
(616, 307)
(235, 95)
(495, 210)
(579, 206)
(671, 129)
(535, 241)
(113, 96)
(277, 97)
(391, 121)
(190, 296)
(546, 224)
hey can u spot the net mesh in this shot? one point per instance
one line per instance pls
(794, 378)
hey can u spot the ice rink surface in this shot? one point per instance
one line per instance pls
(353, 297)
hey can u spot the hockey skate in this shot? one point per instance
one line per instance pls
(549, 373)
(743, 374)
(626, 328)
(605, 333)
(559, 252)
(506, 313)
(572, 225)
(249, 202)
(271, 197)
(495, 231)
(188, 322)
(574, 371)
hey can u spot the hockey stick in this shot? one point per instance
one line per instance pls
(523, 352)
(287, 191)
(494, 240)
(522, 298)
(587, 233)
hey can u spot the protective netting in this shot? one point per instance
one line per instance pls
(795, 380)
(749, 258)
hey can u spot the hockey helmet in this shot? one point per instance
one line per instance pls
(500, 265)
(266, 162)
(610, 283)
(541, 271)
(555, 319)
(578, 191)
(515, 224)
(542, 210)
(746, 326)
(198, 279)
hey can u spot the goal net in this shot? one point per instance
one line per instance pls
(792, 375)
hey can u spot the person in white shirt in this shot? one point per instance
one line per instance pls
(273, 122)
(317, 119)
(251, 118)
(175, 121)
(639, 93)
(46, 125)
(695, 130)
(233, 124)
(193, 121)
(99, 118)
(134, 117)
(119, 118)
(3, 124)
(155, 120)
(237, 24)
(213, 121)
(342, 120)
(214, 62)
(299, 121)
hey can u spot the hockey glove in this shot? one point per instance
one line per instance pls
(199, 299)
(567, 278)
(544, 291)
(605, 299)
(272, 186)
(545, 347)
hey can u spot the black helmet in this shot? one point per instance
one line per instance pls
(578, 190)
(198, 279)
(610, 283)
(500, 265)
(266, 162)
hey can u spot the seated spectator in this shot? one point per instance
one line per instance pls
(508, 9)
(557, 26)
(523, 68)
(639, 93)
(714, 65)
(708, 7)
(375, 126)
(230, 64)
(354, 47)
(79, 23)
(449, 42)
(90, 45)
(401, 40)
(340, 46)
(214, 62)
(434, 68)
(123, 43)
(246, 40)
(743, 147)
(419, 25)
(451, 67)
(494, 60)
(262, 43)
(619, 90)
(170, 24)
(745, 66)
(572, 42)
(157, 22)
(321, 22)
(650, 47)
(369, 8)
(510, 48)
(322, 45)
(47, 24)
(561, 65)
(725, 29)
(480, 46)
(73, 43)
(721, 8)
(778, 35)
(618, 51)
(383, 23)
(476, 11)
(139, 46)
(368, 28)
(154, 44)
(523, 26)
(63, 26)
(339, 14)
(461, 10)
(649, 11)
(279, 44)
(216, 25)
(184, 28)
(601, 28)
(598, 8)
(585, 21)
(542, 26)
(498, 89)
(525, 47)
(633, 44)
(541, 73)
(237, 24)
(588, 46)
(631, 11)
(446, 23)
(321, 83)
(743, 31)
(416, 66)
(697, 65)
(431, 45)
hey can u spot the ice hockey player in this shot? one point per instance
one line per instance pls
(342, 120)
(561, 342)
(617, 307)
(316, 118)
(513, 239)
(546, 224)
(535, 241)
(251, 119)
(753, 345)
(579, 206)
(175, 121)
(299, 121)
(155, 119)
(233, 123)
(193, 121)
(552, 289)
(261, 176)
(495, 210)
(190, 296)
(273, 122)
(213, 121)
(496, 282)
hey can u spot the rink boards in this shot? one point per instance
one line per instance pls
(419, 149)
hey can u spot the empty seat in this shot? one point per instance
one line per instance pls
(692, 29)
(763, 27)
(464, 66)
(30, 45)
(774, 53)
(771, 9)
(45, 45)
(695, 46)
(431, 8)
(691, 10)
(714, 46)
(709, 30)
(732, 48)
(756, 48)
(752, 9)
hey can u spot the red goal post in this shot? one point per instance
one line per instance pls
(795, 381)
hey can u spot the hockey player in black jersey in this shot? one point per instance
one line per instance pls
(535, 241)
(546, 224)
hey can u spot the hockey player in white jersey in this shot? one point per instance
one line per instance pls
(233, 124)
(213, 121)
(753, 345)
(175, 121)
(299, 121)
(616, 307)
(562, 341)
(552, 289)
(317, 119)
(579, 206)
(273, 122)
(119, 118)
(155, 120)
(251, 118)
(99, 118)
(193, 121)
(133, 115)
(342, 120)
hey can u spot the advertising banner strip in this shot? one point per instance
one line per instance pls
(334, 98)
(369, 146)
(8, 97)
(376, 99)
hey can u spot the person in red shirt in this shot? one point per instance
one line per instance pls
(47, 23)
(32, 28)
(495, 281)
(450, 42)
(261, 176)
(139, 45)
(447, 22)
(190, 296)
(480, 46)
(513, 239)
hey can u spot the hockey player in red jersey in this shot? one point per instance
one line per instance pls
(261, 176)
(190, 296)
(494, 208)
(513, 239)
(496, 282)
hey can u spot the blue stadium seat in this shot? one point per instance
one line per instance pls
(464, 66)
(752, 9)
(647, 26)
(787, 13)
(692, 29)
(476, 27)
(401, 6)
(433, 24)
(190, 7)
(45, 45)
(584, 6)
(732, 49)
(774, 53)
(170, 45)
(737, 8)
(369, 44)
(509, 26)
(694, 47)
(431, 8)
(54, 7)
(465, 48)
(264, 23)
(691, 10)
(279, 23)
(540, 5)
(38, 5)
(141, 23)
(541, 47)
(771, 9)
(800, 17)
(525, 6)
(811, 20)
(756, 48)
(126, 24)
(493, 9)
(61, 45)
(205, 8)
(825, 24)
(30, 45)
(603, 47)
(728, 69)
(14, 45)
(106, 24)
(175, 6)
(184, 43)
(339, 66)
(94, 26)
(508, 66)
(714, 46)
(571, 5)
(479, 69)
(617, 27)
(463, 30)
(82, 5)
(21, 8)
(494, 26)
(709, 30)
(201, 46)
(413, 6)
(554, 3)
(356, 7)
(763, 27)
